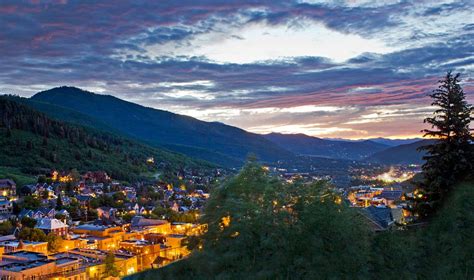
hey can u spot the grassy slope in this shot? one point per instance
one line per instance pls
(16, 175)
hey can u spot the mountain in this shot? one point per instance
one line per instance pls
(385, 141)
(402, 154)
(33, 142)
(307, 145)
(213, 141)
(395, 142)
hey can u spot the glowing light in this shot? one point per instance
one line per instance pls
(225, 222)
(391, 176)
(131, 270)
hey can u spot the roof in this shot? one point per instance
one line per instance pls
(139, 221)
(45, 210)
(25, 212)
(92, 227)
(15, 243)
(32, 256)
(382, 216)
(66, 261)
(6, 183)
(391, 195)
(20, 266)
(4, 202)
(50, 224)
(83, 197)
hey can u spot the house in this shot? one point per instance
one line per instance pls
(5, 217)
(390, 196)
(97, 177)
(63, 212)
(380, 218)
(84, 199)
(6, 206)
(175, 207)
(52, 225)
(7, 188)
(398, 215)
(26, 213)
(28, 189)
(47, 212)
(106, 213)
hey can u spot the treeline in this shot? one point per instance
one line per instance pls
(262, 228)
(21, 117)
(35, 143)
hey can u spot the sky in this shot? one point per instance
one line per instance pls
(337, 69)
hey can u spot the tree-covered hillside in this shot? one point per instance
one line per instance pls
(313, 146)
(204, 140)
(402, 154)
(32, 142)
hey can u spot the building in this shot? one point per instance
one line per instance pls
(389, 197)
(145, 251)
(151, 225)
(6, 206)
(27, 265)
(39, 269)
(93, 262)
(380, 218)
(101, 237)
(10, 246)
(54, 226)
(107, 214)
(7, 188)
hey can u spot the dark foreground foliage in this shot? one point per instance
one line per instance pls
(450, 159)
(295, 231)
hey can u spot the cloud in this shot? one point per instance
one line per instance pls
(321, 68)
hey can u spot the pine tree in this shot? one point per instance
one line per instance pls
(450, 158)
(59, 202)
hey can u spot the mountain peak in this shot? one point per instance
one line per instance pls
(64, 90)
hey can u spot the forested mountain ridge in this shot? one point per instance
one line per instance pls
(402, 154)
(205, 140)
(313, 146)
(32, 141)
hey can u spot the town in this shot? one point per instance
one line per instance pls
(89, 226)
(382, 193)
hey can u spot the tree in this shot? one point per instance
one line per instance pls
(30, 202)
(110, 267)
(55, 242)
(59, 202)
(450, 158)
(75, 175)
(28, 222)
(45, 194)
(262, 228)
(6, 228)
(32, 234)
